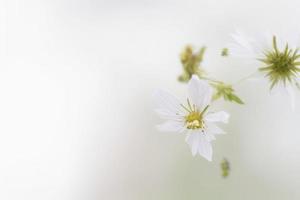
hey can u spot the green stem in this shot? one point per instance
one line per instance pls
(210, 79)
(245, 78)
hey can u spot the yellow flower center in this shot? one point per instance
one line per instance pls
(194, 118)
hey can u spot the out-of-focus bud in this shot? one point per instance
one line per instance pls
(225, 168)
(224, 52)
(186, 54)
(191, 61)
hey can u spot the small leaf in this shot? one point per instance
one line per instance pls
(226, 91)
(236, 99)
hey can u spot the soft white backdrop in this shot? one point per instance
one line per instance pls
(76, 119)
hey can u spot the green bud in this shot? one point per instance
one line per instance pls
(226, 92)
(224, 52)
(225, 168)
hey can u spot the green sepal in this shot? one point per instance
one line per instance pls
(226, 92)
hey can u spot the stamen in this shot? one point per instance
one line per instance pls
(189, 104)
(275, 44)
(281, 65)
(205, 109)
(185, 108)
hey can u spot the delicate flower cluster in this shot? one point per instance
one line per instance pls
(274, 59)
(191, 63)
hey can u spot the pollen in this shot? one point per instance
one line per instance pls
(194, 120)
(194, 117)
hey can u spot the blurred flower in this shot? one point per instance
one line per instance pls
(191, 61)
(224, 52)
(192, 117)
(276, 59)
(225, 167)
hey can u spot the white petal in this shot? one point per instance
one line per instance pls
(164, 114)
(205, 148)
(278, 89)
(293, 38)
(242, 46)
(167, 104)
(171, 126)
(200, 92)
(209, 136)
(199, 144)
(263, 43)
(213, 129)
(291, 94)
(287, 37)
(256, 77)
(217, 117)
(193, 140)
(284, 90)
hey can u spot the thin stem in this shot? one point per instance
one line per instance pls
(245, 78)
(210, 79)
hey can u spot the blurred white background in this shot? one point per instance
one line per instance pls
(76, 117)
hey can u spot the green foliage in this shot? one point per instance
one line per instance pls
(226, 92)
(191, 63)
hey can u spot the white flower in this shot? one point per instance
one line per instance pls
(192, 117)
(275, 58)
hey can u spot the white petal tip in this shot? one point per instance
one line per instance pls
(208, 158)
